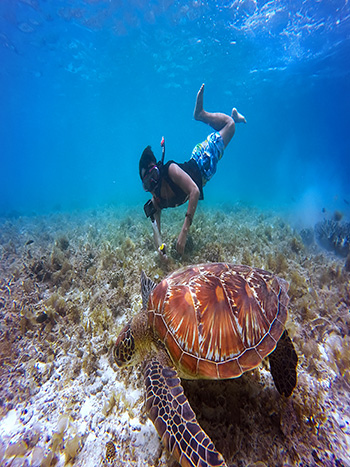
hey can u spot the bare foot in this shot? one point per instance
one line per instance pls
(237, 117)
(198, 110)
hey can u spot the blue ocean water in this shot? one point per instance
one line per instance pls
(86, 85)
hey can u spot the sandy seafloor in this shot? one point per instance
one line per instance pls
(68, 282)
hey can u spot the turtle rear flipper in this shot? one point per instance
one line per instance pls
(283, 362)
(174, 419)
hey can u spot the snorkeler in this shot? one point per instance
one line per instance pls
(172, 184)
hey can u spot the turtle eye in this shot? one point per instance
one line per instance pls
(124, 347)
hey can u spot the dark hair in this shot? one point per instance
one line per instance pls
(146, 159)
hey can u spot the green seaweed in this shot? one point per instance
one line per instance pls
(341, 359)
(55, 304)
(298, 287)
(296, 245)
(62, 243)
(277, 262)
(213, 252)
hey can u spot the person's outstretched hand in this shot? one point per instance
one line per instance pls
(162, 253)
(181, 242)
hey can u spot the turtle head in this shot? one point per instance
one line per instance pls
(124, 349)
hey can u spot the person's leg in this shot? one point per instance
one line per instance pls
(220, 122)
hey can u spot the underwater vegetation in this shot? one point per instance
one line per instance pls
(68, 282)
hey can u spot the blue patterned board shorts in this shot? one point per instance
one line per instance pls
(208, 154)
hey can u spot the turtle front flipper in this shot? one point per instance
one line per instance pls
(174, 419)
(147, 285)
(283, 362)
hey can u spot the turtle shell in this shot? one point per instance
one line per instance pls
(218, 320)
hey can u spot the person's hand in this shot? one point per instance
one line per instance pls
(162, 253)
(181, 242)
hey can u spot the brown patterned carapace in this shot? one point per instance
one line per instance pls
(218, 320)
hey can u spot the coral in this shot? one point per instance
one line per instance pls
(334, 236)
(307, 235)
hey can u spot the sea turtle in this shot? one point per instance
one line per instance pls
(208, 321)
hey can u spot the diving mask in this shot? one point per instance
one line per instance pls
(151, 178)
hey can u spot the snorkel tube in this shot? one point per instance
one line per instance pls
(162, 143)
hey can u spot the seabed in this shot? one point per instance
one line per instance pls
(68, 282)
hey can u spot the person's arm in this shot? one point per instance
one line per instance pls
(157, 213)
(161, 247)
(185, 182)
